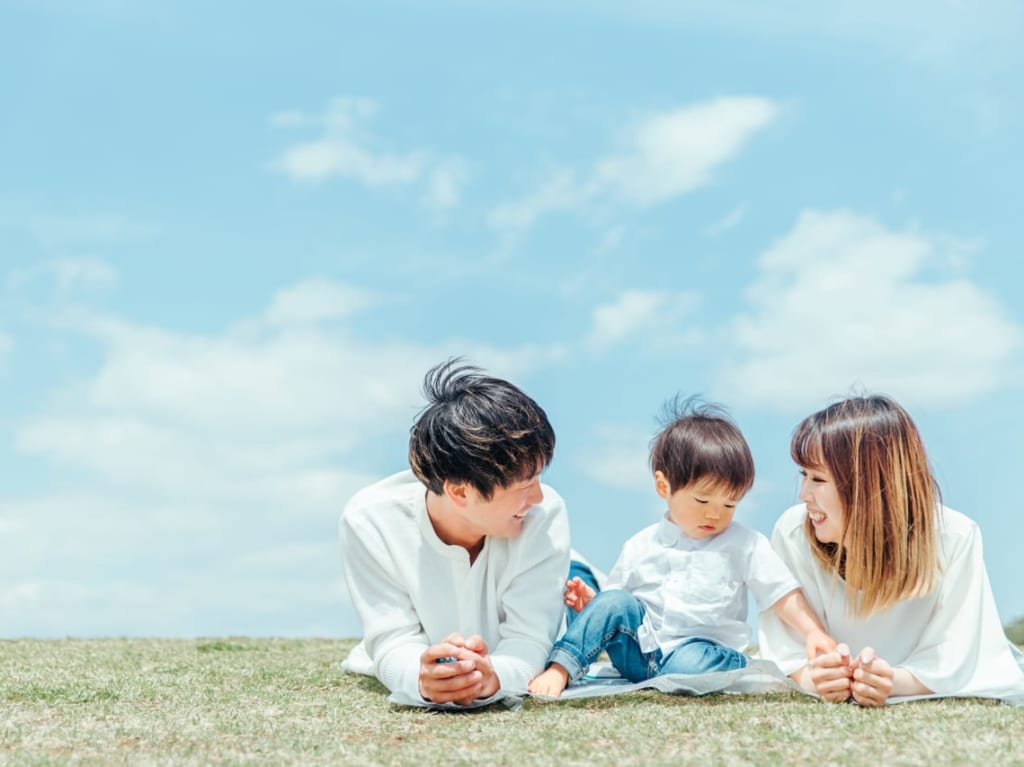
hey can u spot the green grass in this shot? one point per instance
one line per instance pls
(265, 701)
(1015, 631)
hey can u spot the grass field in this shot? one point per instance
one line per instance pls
(265, 701)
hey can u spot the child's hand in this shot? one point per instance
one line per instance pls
(831, 675)
(578, 594)
(818, 643)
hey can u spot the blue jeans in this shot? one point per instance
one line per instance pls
(610, 623)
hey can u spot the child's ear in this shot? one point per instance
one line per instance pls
(457, 492)
(661, 485)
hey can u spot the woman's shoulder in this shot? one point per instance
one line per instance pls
(956, 520)
(955, 526)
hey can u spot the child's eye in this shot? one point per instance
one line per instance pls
(700, 500)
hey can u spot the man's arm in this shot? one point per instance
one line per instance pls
(393, 635)
(457, 671)
(532, 603)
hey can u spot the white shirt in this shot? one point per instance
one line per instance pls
(951, 640)
(411, 590)
(698, 588)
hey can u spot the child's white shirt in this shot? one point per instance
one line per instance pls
(698, 588)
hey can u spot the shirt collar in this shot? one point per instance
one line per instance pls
(671, 537)
(669, 533)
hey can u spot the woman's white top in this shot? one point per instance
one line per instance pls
(952, 639)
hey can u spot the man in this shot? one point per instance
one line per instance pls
(456, 568)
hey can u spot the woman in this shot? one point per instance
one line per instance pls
(891, 572)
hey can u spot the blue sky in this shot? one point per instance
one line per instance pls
(233, 236)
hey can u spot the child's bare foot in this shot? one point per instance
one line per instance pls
(550, 682)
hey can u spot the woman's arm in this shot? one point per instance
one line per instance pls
(875, 681)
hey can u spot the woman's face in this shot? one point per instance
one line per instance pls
(824, 507)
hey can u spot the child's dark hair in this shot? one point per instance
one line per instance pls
(477, 429)
(699, 441)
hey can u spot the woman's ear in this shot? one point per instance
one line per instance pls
(661, 485)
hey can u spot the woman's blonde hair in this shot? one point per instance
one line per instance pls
(889, 548)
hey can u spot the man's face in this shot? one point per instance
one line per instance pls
(504, 514)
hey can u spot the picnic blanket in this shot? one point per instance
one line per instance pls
(759, 676)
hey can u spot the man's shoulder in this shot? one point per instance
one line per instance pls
(552, 502)
(399, 492)
(545, 517)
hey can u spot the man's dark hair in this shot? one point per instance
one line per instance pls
(699, 441)
(477, 429)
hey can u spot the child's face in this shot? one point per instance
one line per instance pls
(702, 509)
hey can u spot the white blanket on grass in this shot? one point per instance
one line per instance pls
(759, 676)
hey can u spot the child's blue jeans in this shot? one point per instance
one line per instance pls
(610, 623)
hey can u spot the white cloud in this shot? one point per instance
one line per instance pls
(185, 461)
(104, 563)
(841, 301)
(676, 152)
(317, 299)
(727, 222)
(347, 149)
(64, 231)
(642, 316)
(317, 160)
(445, 183)
(281, 606)
(617, 456)
(665, 155)
(559, 192)
(611, 240)
(6, 347)
(83, 272)
(967, 37)
(68, 275)
(291, 118)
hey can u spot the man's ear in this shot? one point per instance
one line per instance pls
(457, 492)
(661, 485)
